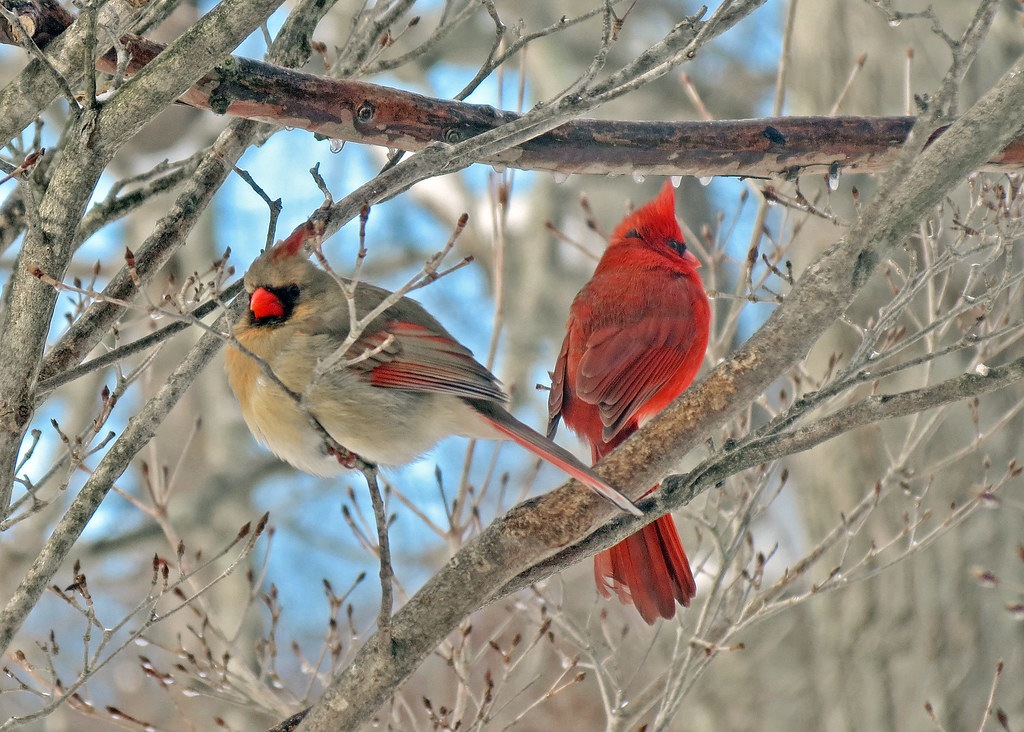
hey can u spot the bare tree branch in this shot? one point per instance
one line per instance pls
(138, 433)
(356, 111)
(34, 89)
(96, 136)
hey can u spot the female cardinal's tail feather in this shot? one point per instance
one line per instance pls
(536, 443)
(649, 570)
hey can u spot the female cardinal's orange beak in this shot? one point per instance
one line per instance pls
(265, 304)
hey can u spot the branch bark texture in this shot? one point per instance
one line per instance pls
(357, 111)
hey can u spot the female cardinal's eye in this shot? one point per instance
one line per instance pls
(290, 294)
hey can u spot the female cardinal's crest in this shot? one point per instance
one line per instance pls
(292, 245)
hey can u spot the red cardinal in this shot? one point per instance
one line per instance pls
(411, 383)
(635, 339)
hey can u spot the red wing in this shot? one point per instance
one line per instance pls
(419, 359)
(623, 367)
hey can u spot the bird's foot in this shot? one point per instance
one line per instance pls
(345, 457)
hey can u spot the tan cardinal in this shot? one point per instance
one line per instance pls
(414, 384)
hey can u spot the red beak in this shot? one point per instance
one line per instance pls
(265, 304)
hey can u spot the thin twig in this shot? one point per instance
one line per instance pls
(387, 573)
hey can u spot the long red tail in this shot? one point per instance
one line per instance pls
(648, 570)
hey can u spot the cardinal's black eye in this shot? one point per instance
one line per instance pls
(289, 295)
(678, 245)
